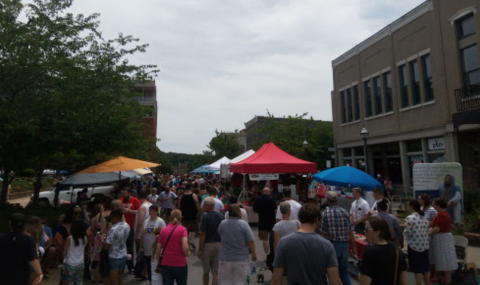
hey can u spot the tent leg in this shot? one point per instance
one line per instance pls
(243, 182)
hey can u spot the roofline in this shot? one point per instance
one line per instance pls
(385, 32)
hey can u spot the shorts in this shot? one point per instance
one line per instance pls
(191, 225)
(116, 263)
(263, 234)
(232, 272)
(210, 255)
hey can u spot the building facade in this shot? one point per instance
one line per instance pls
(147, 96)
(414, 86)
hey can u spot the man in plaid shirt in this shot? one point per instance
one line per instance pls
(337, 227)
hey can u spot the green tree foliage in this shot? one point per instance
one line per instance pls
(224, 144)
(66, 93)
(170, 159)
(290, 132)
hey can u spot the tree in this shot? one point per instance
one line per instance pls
(224, 144)
(66, 93)
(289, 133)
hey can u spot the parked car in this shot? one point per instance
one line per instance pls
(67, 196)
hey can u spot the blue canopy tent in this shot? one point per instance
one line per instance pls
(203, 170)
(347, 176)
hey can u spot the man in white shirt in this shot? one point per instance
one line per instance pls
(294, 205)
(359, 211)
(218, 204)
(378, 196)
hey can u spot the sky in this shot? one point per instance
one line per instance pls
(224, 61)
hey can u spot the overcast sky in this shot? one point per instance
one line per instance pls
(224, 61)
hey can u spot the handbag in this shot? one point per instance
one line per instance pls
(159, 269)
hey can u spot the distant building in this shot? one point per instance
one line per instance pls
(147, 96)
(241, 137)
(253, 135)
(415, 86)
(181, 168)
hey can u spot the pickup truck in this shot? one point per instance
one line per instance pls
(66, 196)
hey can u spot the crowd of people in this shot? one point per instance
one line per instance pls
(150, 230)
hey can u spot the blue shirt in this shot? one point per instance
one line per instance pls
(48, 233)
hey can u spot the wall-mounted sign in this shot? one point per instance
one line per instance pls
(329, 163)
(436, 144)
(263, 176)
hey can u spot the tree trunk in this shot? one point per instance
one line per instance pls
(5, 183)
(3, 197)
(37, 187)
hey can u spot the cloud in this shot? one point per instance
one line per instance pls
(223, 62)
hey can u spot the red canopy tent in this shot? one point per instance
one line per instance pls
(271, 159)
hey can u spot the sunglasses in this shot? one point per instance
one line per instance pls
(367, 229)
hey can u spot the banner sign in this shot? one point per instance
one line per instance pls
(431, 179)
(263, 176)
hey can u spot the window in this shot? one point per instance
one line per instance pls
(415, 82)
(359, 151)
(347, 152)
(349, 106)
(470, 62)
(387, 91)
(378, 95)
(342, 105)
(414, 146)
(427, 78)
(465, 26)
(402, 71)
(393, 149)
(368, 98)
(395, 170)
(356, 103)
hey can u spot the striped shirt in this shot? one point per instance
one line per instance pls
(336, 224)
(430, 213)
(394, 226)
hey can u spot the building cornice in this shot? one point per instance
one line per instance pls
(462, 13)
(385, 32)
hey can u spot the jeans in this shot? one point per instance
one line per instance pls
(174, 273)
(130, 243)
(341, 250)
(148, 264)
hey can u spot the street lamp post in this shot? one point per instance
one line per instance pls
(364, 135)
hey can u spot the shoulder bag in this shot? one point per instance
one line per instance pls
(396, 268)
(159, 269)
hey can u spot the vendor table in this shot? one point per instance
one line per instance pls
(252, 216)
(360, 243)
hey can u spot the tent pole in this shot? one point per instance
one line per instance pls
(243, 182)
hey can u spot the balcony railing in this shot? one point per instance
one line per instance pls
(468, 98)
(142, 99)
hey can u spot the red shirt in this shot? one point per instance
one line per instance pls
(443, 221)
(132, 204)
(173, 253)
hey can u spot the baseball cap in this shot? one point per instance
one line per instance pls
(332, 196)
(17, 222)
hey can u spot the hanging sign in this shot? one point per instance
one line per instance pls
(263, 176)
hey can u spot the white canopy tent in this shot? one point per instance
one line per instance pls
(225, 167)
(216, 165)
